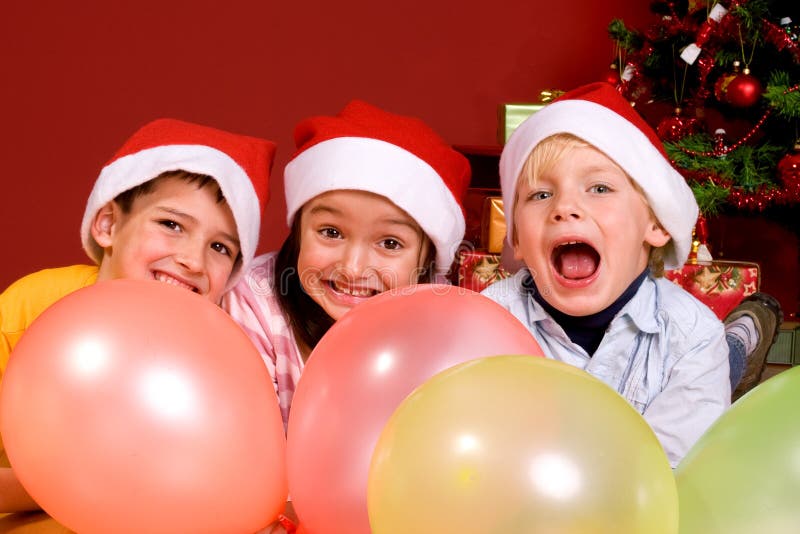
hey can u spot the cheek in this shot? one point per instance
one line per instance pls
(308, 269)
(404, 272)
(315, 256)
(220, 270)
(528, 235)
(309, 276)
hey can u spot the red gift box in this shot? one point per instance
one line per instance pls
(720, 285)
(478, 269)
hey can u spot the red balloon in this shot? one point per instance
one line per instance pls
(361, 371)
(134, 406)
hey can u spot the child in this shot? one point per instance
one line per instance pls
(374, 202)
(596, 212)
(179, 203)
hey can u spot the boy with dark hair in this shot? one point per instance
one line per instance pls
(179, 203)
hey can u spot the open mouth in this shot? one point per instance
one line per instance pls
(171, 280)
(353, 291)
(575, 260)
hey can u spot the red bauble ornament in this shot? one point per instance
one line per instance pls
(721, 86)
(612, 76)
(743, 90)
(677, 126)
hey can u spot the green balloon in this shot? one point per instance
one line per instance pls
(743, 475)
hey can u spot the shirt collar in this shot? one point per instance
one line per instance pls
(639, 308)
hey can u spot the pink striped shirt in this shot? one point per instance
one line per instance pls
(253, 303)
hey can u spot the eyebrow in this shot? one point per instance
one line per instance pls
(413, 225)
(194, 220)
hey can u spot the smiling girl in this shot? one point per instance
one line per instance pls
(374, 202)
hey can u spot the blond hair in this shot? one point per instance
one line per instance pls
(553, 149)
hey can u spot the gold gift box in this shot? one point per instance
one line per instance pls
(509, 116)
(493, 225)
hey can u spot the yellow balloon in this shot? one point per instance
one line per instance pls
(515, 444)
(743, 475)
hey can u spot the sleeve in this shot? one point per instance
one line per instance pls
(5, 349)
(243, 307)
(697, 389)
(15, 315)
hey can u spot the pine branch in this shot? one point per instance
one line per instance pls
(628, 40)
(710, 196)
(786, 105)
(751, 13)
(746, 167)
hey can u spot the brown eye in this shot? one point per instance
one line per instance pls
(221, 248)
(391, 244)
(169, 223)
(331, 233)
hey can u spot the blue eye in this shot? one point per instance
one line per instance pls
(540, 195)
(601, 188)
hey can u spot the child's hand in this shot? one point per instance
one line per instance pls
(286, 523)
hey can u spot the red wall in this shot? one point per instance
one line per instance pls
(79, 77)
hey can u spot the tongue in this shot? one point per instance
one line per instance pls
(577, 261)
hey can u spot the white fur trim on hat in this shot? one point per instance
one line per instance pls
(666, 191)
(137, 168)
(379, 167)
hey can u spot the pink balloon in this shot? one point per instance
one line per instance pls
(361, 371)
(133, 406)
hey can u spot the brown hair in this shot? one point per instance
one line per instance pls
(126, 198)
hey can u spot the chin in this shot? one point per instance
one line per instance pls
(579, 307)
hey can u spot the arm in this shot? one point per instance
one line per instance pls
(696, 393)
(242, 306)
(13, 497)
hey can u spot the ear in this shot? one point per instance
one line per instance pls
(517, 252)
(102, 228)
(655, 235)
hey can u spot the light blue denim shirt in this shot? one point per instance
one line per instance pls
(665, 352)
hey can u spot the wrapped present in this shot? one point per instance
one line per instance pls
(720, 285)
(509, 116)
(478, 269)
(493, 225)
(474, 202)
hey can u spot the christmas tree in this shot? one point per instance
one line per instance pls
(720, 82)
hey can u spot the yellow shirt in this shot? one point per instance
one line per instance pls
(24, 300)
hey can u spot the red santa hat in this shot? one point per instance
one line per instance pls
(239, 164)
(367, 149)
(599, 115)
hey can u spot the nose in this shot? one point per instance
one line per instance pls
(566, 208)
(191, 256)
(355, 260)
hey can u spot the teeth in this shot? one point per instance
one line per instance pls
(167, 279)
(353, 291)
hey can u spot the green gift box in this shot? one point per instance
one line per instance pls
(509, 116)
